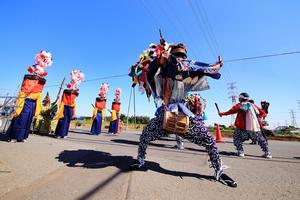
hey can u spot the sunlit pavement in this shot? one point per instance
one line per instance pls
(85, 166)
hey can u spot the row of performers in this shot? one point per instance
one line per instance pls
(28, 105)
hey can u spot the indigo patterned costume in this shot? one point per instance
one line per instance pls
(164, 72)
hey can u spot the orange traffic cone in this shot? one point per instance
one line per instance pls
(218, 133)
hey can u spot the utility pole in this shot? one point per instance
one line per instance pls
(293, 118)
(233, 96)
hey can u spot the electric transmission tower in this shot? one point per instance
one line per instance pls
(233, 96)
(293, 118)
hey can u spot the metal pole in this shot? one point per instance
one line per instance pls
(134, 107)
(128, 108)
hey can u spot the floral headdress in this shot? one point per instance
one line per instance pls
(117, 95)
(76, 78)
(42, 60)
(103, 90)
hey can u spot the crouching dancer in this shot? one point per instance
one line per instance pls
(166, 71)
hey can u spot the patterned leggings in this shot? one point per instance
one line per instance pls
(239, 136)
(197, 134)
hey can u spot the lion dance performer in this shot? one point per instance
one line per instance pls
(115, 113)
(164, 72)
(99, 110)
(45, 123)
(248, 125)
(29, 99)
(67, 107)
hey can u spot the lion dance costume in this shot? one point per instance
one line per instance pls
(67, 107)
(99, 110)
(115, 113)
(29, 98)
(164, 72)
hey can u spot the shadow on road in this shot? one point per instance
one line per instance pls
(97, 159)
(136, 143)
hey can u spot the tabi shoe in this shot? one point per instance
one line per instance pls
(12, 141)
(137, 166)
(240, 154)
(224, 178)
(267, 155)
(181, 147)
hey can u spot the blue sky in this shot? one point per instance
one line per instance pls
(103, 38)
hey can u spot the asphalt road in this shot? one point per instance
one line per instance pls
(95, 167)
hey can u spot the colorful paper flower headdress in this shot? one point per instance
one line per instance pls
(117, 95)
(42, 60)
(76, 78)
(103, 90)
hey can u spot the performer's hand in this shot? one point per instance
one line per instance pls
(220, 114)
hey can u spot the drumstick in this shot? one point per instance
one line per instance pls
(217, 107)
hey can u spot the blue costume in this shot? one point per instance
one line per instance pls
(66, 112)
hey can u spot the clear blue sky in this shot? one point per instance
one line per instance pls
(104, 38)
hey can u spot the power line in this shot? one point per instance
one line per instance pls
(209, 32)
(231, 60)
(185, 30)
(95, 79)
(262, 56)
(213, 50)
(207, 25)
(151, 14)
(169, 19)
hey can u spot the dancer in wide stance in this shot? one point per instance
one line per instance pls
(164, 72)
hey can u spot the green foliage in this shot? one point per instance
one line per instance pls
(139, 120)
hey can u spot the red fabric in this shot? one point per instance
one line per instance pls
(241, 115)
(32, 86)
(159, 49)
(100, 105)
(68, 99)
(144, 74)
(115, 106)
